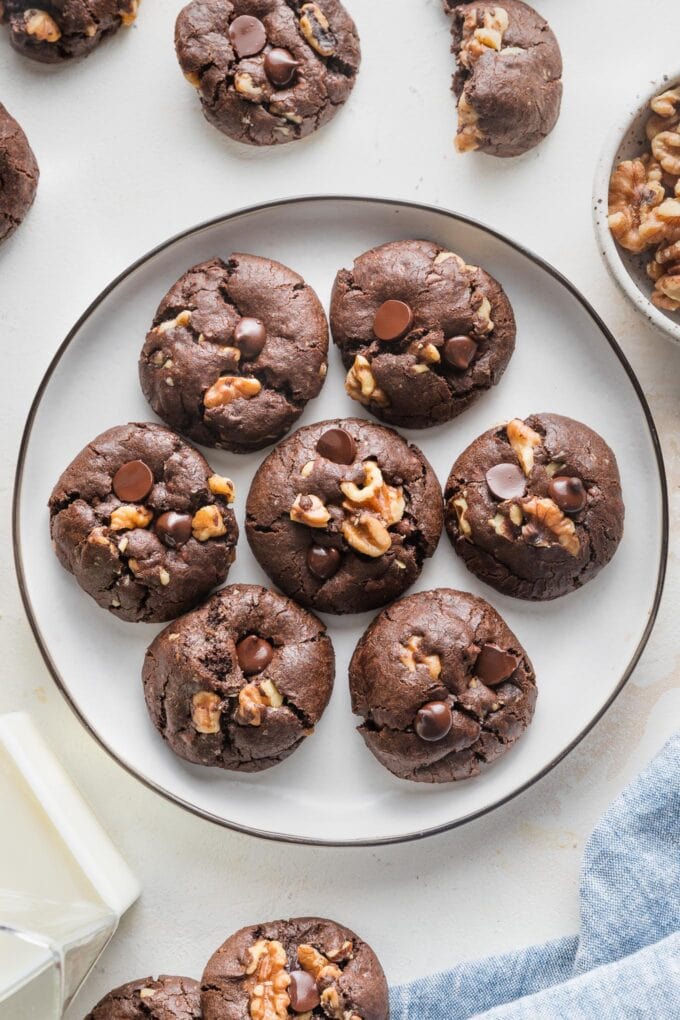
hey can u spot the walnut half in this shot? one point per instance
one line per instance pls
(367, 535)
(524, 441)
(361, 385)
(269, 981)
(547, 524)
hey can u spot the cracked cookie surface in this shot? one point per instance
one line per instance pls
(508, 81)
(421, 333)
(163, 998)
(64, 29)
(445, 688)
(534, 507)
(305, 966)
(236, 350)
(342, 515)
(18, 174)
(268, 71)
(143, 524)
(241, 681)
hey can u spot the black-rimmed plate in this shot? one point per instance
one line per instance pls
(584, 646)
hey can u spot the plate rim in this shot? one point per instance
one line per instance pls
(239, 213)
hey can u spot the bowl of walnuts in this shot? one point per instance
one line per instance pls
(637, 207)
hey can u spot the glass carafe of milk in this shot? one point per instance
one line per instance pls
(63, 886)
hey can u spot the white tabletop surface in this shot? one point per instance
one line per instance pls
(127, 160)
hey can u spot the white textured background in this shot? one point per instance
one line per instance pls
(126, 161)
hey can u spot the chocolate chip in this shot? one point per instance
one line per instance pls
(248, 35)
(280, 67)
(323, 562)
(250, 336)
(302, 991)
(133, 481)
(459, 351)
(495, 665)
(254, 654)
(174, 529)
(433, 721)
(569, 493)
(392, 320)
(338, 446)
(506, 481)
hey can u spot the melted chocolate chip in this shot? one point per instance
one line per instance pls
(280, 66)
(459, 352)
(254, 654)
(248, 35)
(569, 493)
(174, 529)
(133, 481)
(392, 320)
(323, 562)
(506, 481)
(302, 991)
(495, 665)
(338, 446)
(433, 721)
(249, 337)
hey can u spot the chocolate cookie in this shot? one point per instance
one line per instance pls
(508, 81)
(306, 966)
(64, 29)
(240, 682)
(444, 686)
(143, 524)
(422, 333)
(236, 350)
(268, 71)
(18, 174)
(534, 507)
(164, 998)
(342, 515)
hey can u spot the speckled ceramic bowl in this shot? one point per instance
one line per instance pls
(627, 141)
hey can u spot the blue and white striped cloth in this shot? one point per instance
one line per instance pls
(624, 963)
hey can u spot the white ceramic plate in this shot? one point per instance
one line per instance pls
(332, 790)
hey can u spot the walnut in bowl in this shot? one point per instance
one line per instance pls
(637, 207)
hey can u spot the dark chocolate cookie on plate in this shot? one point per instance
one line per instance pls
(64, 29)
(143, 524)
(343, 514)
(509, 77)
(237, 349)
(445, 688)
(422, 333)
(268, 71)
(534, 507)
(18, 174)
(305, 966)
(163, 998)
(241, 681)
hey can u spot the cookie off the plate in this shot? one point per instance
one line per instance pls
(18, 174)
(268, 71)
(421, 333)
(509, 77)
(240, 682)
(64, 29)
(343, 514)
(534, 506)
(163, 998)
(305, 966)
(444, 686)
